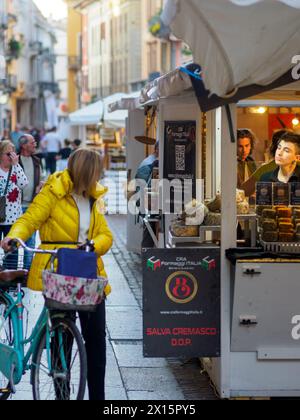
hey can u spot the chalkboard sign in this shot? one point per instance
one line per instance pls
(281, 194)
(181, 296)
(295, 194)
(264, 194)
(180, 154)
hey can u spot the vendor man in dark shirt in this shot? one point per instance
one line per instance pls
(287, 158)
(250, 185)
(246, 164)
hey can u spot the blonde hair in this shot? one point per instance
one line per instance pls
(85, 168)
(4, 145)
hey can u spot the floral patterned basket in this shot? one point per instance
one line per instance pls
(72, 293)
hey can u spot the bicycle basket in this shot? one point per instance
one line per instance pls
(72, 293)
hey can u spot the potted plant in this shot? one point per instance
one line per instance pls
(15, 48)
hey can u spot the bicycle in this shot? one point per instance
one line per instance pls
(56, 355)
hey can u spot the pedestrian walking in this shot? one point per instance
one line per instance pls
(12, 181)
(16, 134)
(33, 171)
(52, 145)
(68, 211)
(76, 144)
(64, 155)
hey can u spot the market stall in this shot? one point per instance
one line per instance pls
(258, 353)
(113, 131)
(258, 328)
(85, 123)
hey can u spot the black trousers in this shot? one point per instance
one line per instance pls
(94, 335)
(51, 162)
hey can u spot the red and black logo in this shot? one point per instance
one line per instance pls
(181, 287)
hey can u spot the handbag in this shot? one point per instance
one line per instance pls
(77, 263)
(3, 200)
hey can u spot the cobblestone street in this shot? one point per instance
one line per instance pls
(186, 373)
(129, 375)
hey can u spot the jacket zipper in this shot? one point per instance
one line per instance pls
(78, 217)
(93, 223)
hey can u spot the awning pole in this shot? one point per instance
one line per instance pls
(230, 123)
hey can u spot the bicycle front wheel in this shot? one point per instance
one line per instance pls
(7, 338)
(65, 379)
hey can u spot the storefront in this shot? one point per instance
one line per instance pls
(257, 354)
(104, 130)
(258, 290)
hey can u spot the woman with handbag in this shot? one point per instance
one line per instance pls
(68, 211)
(12, 181)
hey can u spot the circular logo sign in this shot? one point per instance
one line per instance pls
(181, 287)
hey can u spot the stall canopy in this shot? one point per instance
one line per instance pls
(238, 43)
(90, 115)
(115, 116)
(100, 112)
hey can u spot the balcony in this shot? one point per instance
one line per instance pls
(6, 19)
(3, 21)
(51, 86)
(11, 83)
(12, 18)
(36, 48)
(74, 63)
(32, 91)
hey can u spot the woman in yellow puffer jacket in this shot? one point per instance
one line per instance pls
(69, 210)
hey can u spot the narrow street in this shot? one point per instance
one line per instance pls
(143, 379)
(129, 376)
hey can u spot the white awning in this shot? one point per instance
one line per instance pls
(171, 84)
(237, 43)
(128, 102)
(90, 115)
(114, 114)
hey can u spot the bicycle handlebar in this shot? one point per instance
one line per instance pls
(14, 243)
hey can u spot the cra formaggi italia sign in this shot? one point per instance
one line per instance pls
(181, 296)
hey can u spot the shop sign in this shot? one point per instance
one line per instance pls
(295, 194)
(281, 194)
(277, 194)
(181, 312)
(264, 194)
(180, 153)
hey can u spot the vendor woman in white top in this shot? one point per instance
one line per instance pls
(13, 180)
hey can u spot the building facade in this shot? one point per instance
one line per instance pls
(74, 39)
(29, 53)
(118, 52)
(61, 74)
(3, 29)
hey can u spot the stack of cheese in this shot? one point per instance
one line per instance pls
(280, 224)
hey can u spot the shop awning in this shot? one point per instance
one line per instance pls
(238, 43)
(117, 107)
(90, 115)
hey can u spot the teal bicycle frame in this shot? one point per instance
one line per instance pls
(14, 362)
